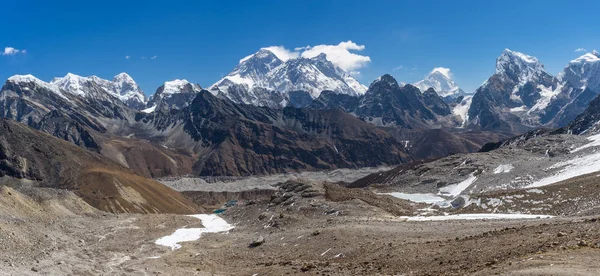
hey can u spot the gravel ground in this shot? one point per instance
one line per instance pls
(237, 184)
(307, 229)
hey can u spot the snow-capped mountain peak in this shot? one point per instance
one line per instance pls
(122, 87)
(123, 77)
(588, 57)
(250, 72)
(519, 67)
(18, 79)
(440, 79)
(264, 79)
(177, 86)
(385, 80)
(175, 94)
(583, 72)
(443, 71)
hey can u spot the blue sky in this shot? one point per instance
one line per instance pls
(203, 40)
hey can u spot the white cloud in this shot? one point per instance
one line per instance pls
(398, 68)
(10, 51)
(153, 57)
(580, 50)
(282, 53)
(127, 57)
(143, 57)
(340, 54)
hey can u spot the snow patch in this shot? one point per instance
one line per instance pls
(212, 224)
(456, 189)
(150, 109)
(519, 109)
(570, 169)
(594, 142)
(421, 198)
(503, 168)
(476, 216)
(462, 109)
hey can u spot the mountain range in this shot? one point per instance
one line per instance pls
(264, 79)
(269, 115)
(522, 95)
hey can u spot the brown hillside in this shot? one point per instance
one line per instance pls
(26, 153)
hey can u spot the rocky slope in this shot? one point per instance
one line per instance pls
(45, 106)
(552, 170)
(32, 158)
(235, 139)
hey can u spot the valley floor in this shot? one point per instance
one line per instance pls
(323, 231)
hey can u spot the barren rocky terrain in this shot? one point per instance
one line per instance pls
(304, 228)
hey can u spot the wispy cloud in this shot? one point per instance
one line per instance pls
(10, 51)
(127, 57)
(580, 50)
(401, 67)
(144, 58)
(153, 57)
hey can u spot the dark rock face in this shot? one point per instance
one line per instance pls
(521, 95)
(490, 109)
(28, 102)
(436, 103)
(570, 105)
(299, 99)
(332, 100)
(245, 139)
(517, 139)
(64, 117)
(586, 122)
(69, 129)
(387, 100)
(386, 103)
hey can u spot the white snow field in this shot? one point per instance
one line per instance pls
(476, 216)
(420, 198)
(571, 168)
(457, 189)
(504, 168)
(212, 224)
